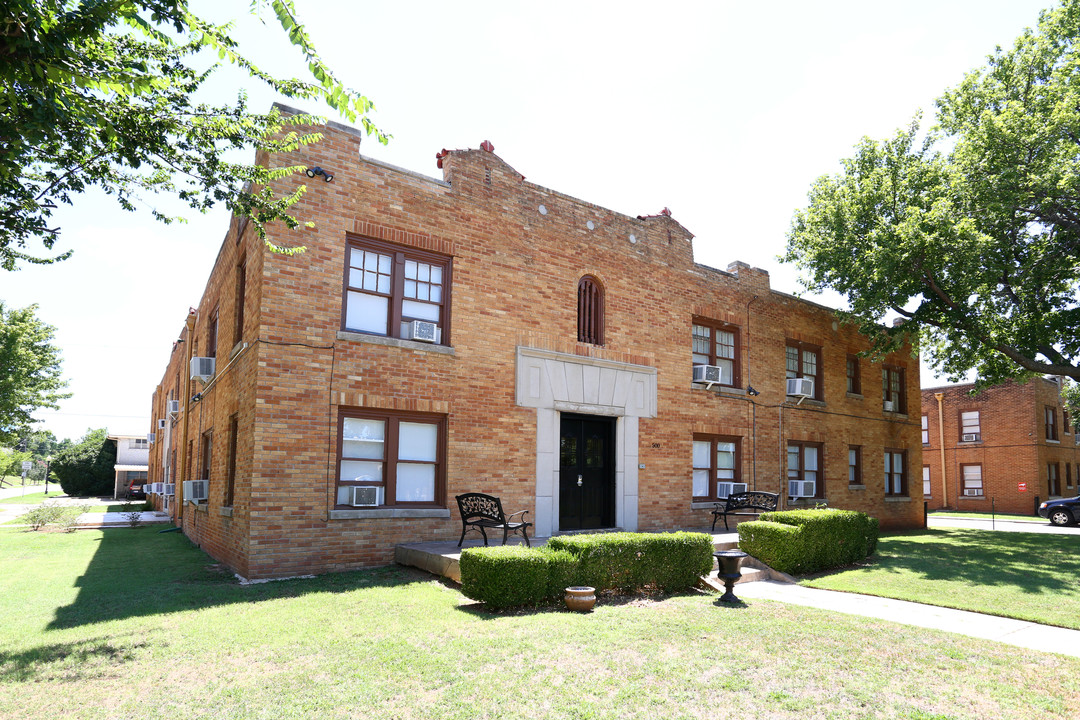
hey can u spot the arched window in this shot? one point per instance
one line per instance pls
(590, 311)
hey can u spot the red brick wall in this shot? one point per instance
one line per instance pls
(1012, 449)
(515, 274)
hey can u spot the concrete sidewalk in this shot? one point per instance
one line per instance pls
(988, 627)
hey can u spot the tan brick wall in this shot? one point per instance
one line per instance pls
(515, 274)
(1012, 448)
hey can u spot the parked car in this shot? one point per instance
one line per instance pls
(1065, 511)
(136, 492)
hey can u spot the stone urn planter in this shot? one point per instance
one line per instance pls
(580, 598)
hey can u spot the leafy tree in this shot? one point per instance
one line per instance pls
(971, 235)
(103, 93)
(86, 468)
(11, 462)
(29, 371)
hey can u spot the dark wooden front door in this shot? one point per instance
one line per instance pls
(586, 472)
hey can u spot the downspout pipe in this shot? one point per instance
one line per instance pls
(190, 323)
(941, 448)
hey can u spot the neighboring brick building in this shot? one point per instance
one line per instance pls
(1013, 443)
(132, 452)
(551, 365)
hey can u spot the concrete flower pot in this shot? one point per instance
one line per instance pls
(580, 598)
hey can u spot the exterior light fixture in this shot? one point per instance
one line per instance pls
(751, 391)
(317, 171)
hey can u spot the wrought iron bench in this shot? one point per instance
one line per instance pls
(482, 512)
(753, 502)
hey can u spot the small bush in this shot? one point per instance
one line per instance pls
(629, 561)
(807, 541)
(505, 576)
(47, 514)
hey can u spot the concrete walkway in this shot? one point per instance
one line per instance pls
(988, 627)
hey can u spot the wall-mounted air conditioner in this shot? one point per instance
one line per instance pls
(712, 375)
(969, 437)
(196, 490)
(888, 406)
(423, 331)
(155, 488)
(800, 387)
(170, 489)
(973, 493)
(150, 437)
(366, 496)
(173, 406)
(202, 368)
(801, 488)
(724, 489)
(161, 423)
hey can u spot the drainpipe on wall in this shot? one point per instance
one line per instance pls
(941, 447)
(187, 405)
(783, 455)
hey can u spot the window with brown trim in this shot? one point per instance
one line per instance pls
(855, 476)
(1053, 479)
(925, 430)
(893, 390)
(241, 290)
(590, 314)
(926, 480)
(802, 360)
(230, 473)
(204, 454)
(212, 334)
(1050, 416)
(1068, 475)
(854, 382)
(717, 467)
(972, 480)
(805, 469)
(970, 426)
(716, 343)
(396, 291)
(896, 484)
(402, 454)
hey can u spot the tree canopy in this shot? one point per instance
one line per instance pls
(30, 374)
(87, 467)
(104, 93)
(972, 233)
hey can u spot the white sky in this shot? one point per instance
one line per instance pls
(723, 111)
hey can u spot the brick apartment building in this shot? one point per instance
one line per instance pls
(481, 333)
(1013, 443)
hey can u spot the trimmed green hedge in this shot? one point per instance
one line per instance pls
(627, 561)
(513, 575)
(806, 541)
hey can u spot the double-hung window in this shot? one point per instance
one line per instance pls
(892, 389)
(971, 476)
(926, 480)
(395, 291)
(717, 471)
(1053, 479)
(970, 427)
(1050, 413)
(805, 475)
(717, 344)
(854, 465)
(854, 384)
(895, 472)
(402, 455)
(925, 430)
(802, 360)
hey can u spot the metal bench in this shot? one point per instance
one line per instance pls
(753, 502)
(482, 512)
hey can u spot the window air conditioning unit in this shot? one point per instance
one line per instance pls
(202, 368)
(150, 437)
(161, 424)
(888, 406)
(423, 331)
(196, 490)
(973, 493)
(156, 488)
(724, 489)
(801, 488)
(800, 387)
(170, 488)
(366, 496)
(173, 406)
(969, 437)
(712, 374)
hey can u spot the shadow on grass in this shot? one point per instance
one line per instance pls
(1033, 562)
(28, 665)
(137, 572)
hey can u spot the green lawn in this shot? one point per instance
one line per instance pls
(983, 516)
(132, 623)
(1029, 576)
(32, 498)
